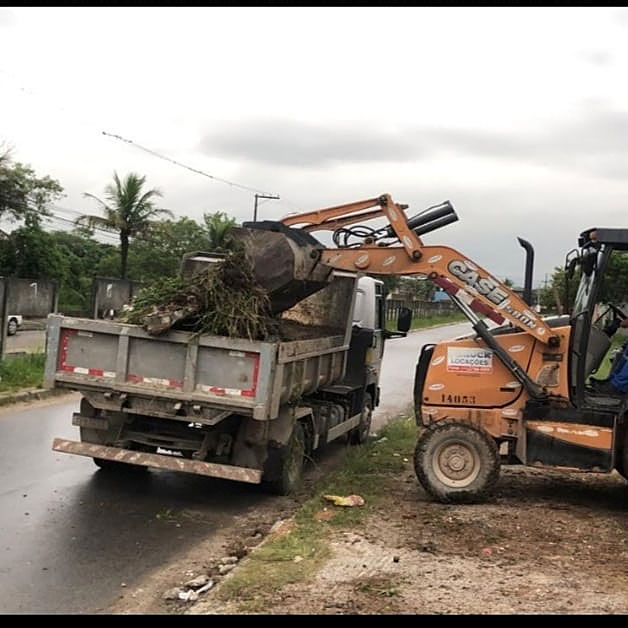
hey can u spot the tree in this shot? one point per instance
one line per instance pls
(83, 259)
(159, 253)
(31, 252)
(218, 227)
(128, 212)
(416, 289)
(615, 283)
(24, 195)
(70, 259)
(556, 296)
(391, 282)
(614, 287)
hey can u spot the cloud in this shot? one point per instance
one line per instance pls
(597, 57)
(621, 17)
(289, 143)
(7, 17)
(596, 141)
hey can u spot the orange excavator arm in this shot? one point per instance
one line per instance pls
(474, 289)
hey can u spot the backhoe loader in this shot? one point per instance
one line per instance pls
(515, 389)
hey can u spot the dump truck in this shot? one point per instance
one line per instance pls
(226, 407)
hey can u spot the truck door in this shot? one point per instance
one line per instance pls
(380, 325)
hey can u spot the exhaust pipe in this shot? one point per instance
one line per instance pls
(527, 288)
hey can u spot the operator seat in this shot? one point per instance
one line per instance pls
(599, 343)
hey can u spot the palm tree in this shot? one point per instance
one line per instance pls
(218, 227)
(128, 212)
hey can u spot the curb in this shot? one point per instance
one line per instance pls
(205, 606)
(31, 394)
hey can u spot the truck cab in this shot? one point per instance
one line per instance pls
(369, 333)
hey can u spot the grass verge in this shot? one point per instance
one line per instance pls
(292, 557)
(23, 371)
(421, 322)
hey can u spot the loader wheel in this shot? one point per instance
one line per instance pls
(284, 467)
(359, 434)
(456, 461)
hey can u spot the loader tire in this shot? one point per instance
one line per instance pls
(360, 434)
(284, 467)
(456, 461)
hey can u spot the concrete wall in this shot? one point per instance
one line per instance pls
(31, 297)
(112, 294)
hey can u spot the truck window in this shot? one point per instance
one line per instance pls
(358, 310)
(380, 313)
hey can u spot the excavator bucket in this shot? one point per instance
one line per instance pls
(285, 261)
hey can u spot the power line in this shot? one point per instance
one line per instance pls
(48, 215)
(77, 116)
(178, 163)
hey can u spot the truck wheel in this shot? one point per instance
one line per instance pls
(359, 434)
(284, 466)
(113, 465)
(97, 437)
(456, 461)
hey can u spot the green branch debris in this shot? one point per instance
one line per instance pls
(223, 299)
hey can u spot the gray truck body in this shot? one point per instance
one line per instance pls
(217, 402)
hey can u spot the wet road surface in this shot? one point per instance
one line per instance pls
(72, 535)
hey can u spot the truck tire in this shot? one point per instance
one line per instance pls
(113, 465)
(359, 434)
(456, 461)
(284, 467)
(96, 437)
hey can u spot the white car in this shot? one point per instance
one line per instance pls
(14, 322)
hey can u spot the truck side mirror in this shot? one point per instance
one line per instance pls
(404, 319)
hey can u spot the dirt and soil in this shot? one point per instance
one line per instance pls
(544, 542)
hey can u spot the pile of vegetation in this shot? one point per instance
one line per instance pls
(223, 299)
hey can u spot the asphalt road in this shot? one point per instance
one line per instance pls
(27, 341)
(398, 367)
(71, 535)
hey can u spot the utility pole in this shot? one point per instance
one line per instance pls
(262, 196)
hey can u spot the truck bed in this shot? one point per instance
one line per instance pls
(182, 374)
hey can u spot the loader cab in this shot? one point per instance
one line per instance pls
(593, 309)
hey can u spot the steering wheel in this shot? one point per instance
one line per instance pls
(618, 316)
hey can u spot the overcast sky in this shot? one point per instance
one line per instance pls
(518, 116)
